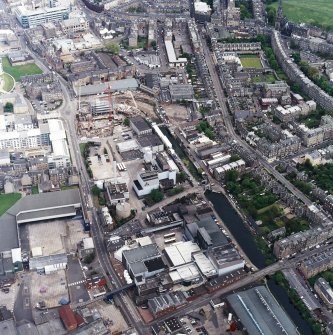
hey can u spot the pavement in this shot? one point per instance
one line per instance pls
(76, 281)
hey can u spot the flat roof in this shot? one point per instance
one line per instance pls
(141, 253)
(181, 252)
(260, 313)
(116, 85)
(7, 327)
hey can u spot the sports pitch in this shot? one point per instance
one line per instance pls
(250, 61)
(318, 12)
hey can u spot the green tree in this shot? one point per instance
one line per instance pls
(8, 108)
(156, 195)
(89, 258)
(126, 122)
(113, 48)
(95, 191)
(153, 44)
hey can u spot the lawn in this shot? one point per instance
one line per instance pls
(250, 61)
(20, 70)
(7, 201)
(265, 78)
(8, 82)
(319, 12)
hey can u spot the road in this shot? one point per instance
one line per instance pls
(231, 131)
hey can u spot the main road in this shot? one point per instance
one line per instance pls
(231, 131)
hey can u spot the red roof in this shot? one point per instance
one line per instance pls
(68, 318)
(79, 319)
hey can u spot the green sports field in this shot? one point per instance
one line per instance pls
(316, 12)
(8, 82)
(7, 201)
(19, 71)
(250, 61)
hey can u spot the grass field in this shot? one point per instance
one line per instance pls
(8, 82)
(318, 12)
(7, 201)
(20, 70)
(267, 78)
(250, 61)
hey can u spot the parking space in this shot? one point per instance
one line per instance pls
(76, 281)
(48, 288)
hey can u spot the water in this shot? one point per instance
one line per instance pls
(245, 240)
(282, 297)
(237, 228)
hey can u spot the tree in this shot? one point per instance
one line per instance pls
(156, 195)
(153, 44)
(95, 191)
(113, 48)
(126, 122)
(89, 258)
(8, 108)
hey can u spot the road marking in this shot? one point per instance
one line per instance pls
(76, 283)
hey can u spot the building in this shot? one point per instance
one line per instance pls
(32, 18)
(180, 253)
(161, 173)
(202, 11)
(301, 241)
(317, 263)
(260, 313)
(87, 247)
(172, 58)
(143, 262)
(67, 316)
(225, 260)
(324, 290)
(180, 92)
(140, 126)
(37, 207)
(166, 303)
(219, 172)
(151, 142)
(74, 25)
(60, 156)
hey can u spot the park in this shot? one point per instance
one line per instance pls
(319, 13)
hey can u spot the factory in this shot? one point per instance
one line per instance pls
(259, 313)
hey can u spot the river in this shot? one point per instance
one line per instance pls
(245, 240)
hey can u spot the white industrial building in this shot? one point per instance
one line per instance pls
(30, 18)
(60, 156)
(180, 253)
(172, 58)
(163, 170)
(17, 140)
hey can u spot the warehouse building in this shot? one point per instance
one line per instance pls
(180, 253)
(37, 207)
(140, 126)
(143, 262)
(259, 313)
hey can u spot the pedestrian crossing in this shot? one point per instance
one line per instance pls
(76, 283)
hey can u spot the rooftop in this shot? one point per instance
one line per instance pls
(260, 313)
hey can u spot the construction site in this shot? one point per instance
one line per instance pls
(99, 114)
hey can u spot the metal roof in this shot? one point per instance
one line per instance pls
(260, 313)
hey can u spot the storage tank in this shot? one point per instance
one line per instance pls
(123, 210)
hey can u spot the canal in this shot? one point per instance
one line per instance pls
(181, 154)
(245, 240)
